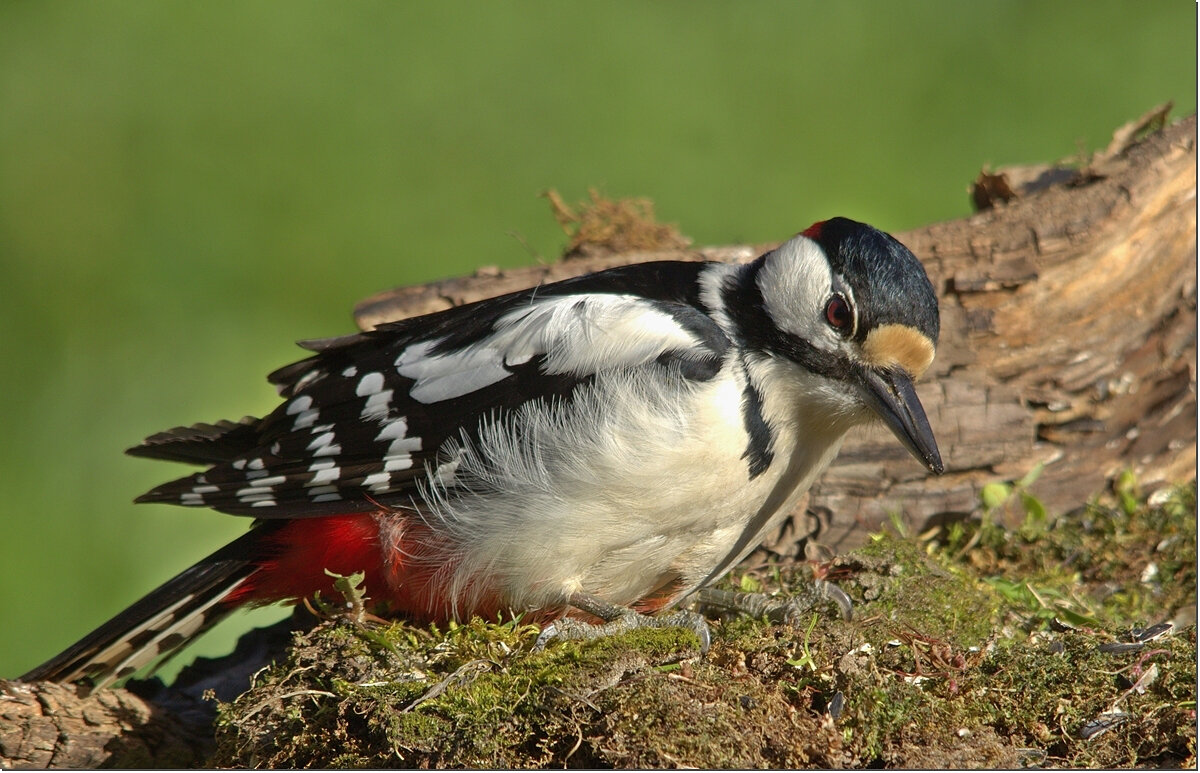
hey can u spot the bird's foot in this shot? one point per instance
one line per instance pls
(619, 620)
(819, 595)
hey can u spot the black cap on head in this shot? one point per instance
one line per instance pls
(889, 283)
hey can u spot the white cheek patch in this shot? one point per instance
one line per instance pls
(795, 282)
(898, 345)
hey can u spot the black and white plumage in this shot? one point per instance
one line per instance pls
(628, 435)
(371, 412)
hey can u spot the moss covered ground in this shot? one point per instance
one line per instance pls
(1067, 642)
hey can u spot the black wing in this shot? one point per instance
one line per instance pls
(364, 418)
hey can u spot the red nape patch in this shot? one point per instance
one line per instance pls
(814, 231)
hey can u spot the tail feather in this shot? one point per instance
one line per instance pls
(161, 623)
(201, 443)
(179, 628)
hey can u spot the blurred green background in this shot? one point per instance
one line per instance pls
(187, 188)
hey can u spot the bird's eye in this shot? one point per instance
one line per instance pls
(838, 314)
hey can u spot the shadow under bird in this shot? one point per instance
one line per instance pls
(601, 447)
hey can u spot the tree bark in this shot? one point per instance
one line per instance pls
(1068, 339)
(48, 725)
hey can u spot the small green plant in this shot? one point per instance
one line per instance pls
(1121, 558)
(1045, 603)
(806, 659)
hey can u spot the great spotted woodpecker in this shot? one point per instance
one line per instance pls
(614, 441)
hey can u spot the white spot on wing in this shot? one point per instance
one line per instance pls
(456, 383)
(377, 482)
(299, 405)
(577, 334)
(379, 400)
(395, 431)
(274, 480)
(323, 445)
(378, 405)
(306, 419)
(446, 376)
(308, 378)
(254, 493)
(369, 384)
(325, 476)
(609, 331)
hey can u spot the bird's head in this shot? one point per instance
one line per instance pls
(854, 306)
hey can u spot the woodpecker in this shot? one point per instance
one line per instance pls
(614, 441)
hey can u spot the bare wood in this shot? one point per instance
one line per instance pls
(47, 725)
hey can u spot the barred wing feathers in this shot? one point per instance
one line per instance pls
(364, 419)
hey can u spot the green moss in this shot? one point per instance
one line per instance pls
(913, 590)
(1047, 689)
(470, 695)
(1119, 560)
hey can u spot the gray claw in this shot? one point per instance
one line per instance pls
(693, 621)
(832, 592)
(794, 609)
(790, 609)
(568, 629)
(548, 633)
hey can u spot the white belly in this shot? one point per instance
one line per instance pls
(618, 499)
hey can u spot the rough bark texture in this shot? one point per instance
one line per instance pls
(1068, 338)
(47, 725)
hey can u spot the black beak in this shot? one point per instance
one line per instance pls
(890, 394)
